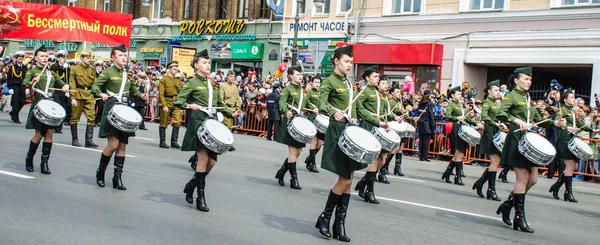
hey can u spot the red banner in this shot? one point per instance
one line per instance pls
(62, 23)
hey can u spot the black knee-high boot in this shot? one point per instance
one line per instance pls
(30, 154)
(505, 208)
(339, 224)
(104, 161)
(370, 193)
(458, 175)
(46, 149)
(398, 165)
(294, 183)
(556, 186)
(325, 217)
(201, 185)
(117, 181)
(382, 176)
(520, 223)
(193, 161)
(491, 192)
(479, 183)
(281, 173)
(315, 169)
(189, 189)
(569, 189)
(446, 174)
(503, 174)
(361, 185)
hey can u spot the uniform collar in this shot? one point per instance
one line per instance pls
(117, 68)
(521, 92)
(202, 78)
(295, 85)
(339, 76)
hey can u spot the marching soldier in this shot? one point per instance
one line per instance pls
(14, 78)
(169, 86)
(317, 142)
(62, 70)
(231, 98)
(137, 104)
(81, 79)
(98, 65)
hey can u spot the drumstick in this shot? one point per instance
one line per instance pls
(39, 75)
(543, 121)
(357, 95)
(288, 121)
(70, 90)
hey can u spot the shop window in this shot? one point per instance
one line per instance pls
(474, 5)
(221, 9)
(187, 5)
(158, 11)
(243, 9)
(264, 11)
(323, 10)
(72, 3)
(402, 6)
(344, 5)
(295, 6)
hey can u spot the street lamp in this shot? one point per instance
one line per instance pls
(317, 3)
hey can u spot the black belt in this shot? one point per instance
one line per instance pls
(84, 88)
(171, 97)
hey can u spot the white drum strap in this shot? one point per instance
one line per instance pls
(378, 103)
(48, 78)
(123, 82)
(350, 98)
(388, 103)
(210, 95)
(300, 101)
(528, 106)
(573, 114)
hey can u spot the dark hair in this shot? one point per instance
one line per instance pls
(453, 92)
(563, 97)
(368, 73)
(427, 97)
(290, 71)
(337, 55)
(488, 87)
(510, 84)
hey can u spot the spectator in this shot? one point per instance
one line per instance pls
(583, 112)
(273, 111)
(595, 145)
(251, 94)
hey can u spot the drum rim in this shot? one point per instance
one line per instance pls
(368, 134)
(220, 124)
(137, 114)
(546, 142)
(38, 107)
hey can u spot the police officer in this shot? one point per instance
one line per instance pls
(99, 66)
(81, 79)
(137, 104)
(273, 111)
(62, 70)
(14, 78)
(168, 88)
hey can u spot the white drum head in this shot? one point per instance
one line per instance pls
(219, 131)
(51, 108)
(470, 131)
(304, 125)
(323, 119)
(391, 135)
(502, 136)
(398, 127)
(541, 143)
(583, 146)
(409, 127)
(363, 138)
(127, 113)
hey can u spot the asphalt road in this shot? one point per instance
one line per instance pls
(247, 206)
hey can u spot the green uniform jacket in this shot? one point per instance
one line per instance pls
(489, 110)
(290, 96)
(313, 103)
(334, 92)
(397, 108)
(452, 113)
(366, 106)
(82, 78)
(565, 136)
(55, 82)
(514, 106)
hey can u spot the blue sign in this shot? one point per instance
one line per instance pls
(278, 9)
(163, 60)
(227, 37)
(319, 26)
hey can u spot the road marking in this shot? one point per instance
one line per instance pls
(588, 189)
(401, 178)
(435, 207)
(87, 149)
(16, 175)
(142, 138)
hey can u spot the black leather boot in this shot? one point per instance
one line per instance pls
(74, 138)
(520, 223)
(569, 189)
(449, 169)
(309, 159)
(201, 184)
(193, 161)
(491, 192)
(505, 208)
(386, 166)
(479, 183)
(339, 224)
(458, 175)
(382, 178)
(398, 165)
(89, 135)
(556, 186)
(46, 149)
(361, 185)
(294, 183)
(189, 189)
(325, 217)
(30, 154)
(281, 173)
(162, 136)
(503, 174)
(175, 138)
(370, 193)
(117, 181)
(104, 161)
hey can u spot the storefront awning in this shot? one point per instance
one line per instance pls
(399, 54)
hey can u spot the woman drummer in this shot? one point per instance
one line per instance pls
(489, 110)
(517, 112)
(337, 95)
(203, 95)
(457, 115)
(398, 110)
(111, 81)
(317, 142)
(41, 79)
(568, 125)
(293, 101)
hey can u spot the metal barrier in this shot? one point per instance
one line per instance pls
(255, 120)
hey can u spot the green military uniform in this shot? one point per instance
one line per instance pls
(197, 91)
(452, 113)
(369, 107)
(335, 93)
(110, 80)
(489, 110)
(313, 103)
(290, 98)
(168, 89)
(55, 82)
(82, 78)
(564, 135)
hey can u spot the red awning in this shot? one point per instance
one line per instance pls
(399, 54)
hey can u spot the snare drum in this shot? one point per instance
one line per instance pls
(215, 136)
(537, 149)
(359, 144)
(399, 128)
(410, 131)
(499, 139)
(580, 149)
(469, 134)
(124, 118)
(321, 123)
(390, 141)
(301, 129)
(49, 112)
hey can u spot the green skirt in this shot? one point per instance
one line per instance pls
(562, 146)
(511, 156)
(190, 139)
(486, 144)
(458, 144)
(34, 123)
(334, 159)
(285, 138)
(106, 129)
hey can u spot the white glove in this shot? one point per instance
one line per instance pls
(11, 91)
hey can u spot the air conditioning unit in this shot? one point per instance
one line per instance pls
(287, 52)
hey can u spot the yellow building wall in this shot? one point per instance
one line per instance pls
(529, 4)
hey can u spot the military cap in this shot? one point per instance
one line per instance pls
(86, 52)
(374, 68)
(19, 54)
(51, 58)
(172, 63)
(98, 63)
(392, 88)
(295, 68)
(317, 76)
(347, 50)
(494, 83)
(61, 53)
(426, 92)
(524, 70)
(120, 48)
(569, 91)
(457, 88)
(40, 49)
(276, 84)
(202, 54)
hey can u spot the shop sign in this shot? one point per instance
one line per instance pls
(32, 43)
(329, 26)
(132, 44)
(67, 46)
(239, 51)
(397, 68)
(229, 37)
(304, 42)
(273, 54)
(159, 50)
(151, 55)
(163, 60)
(211, 27)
